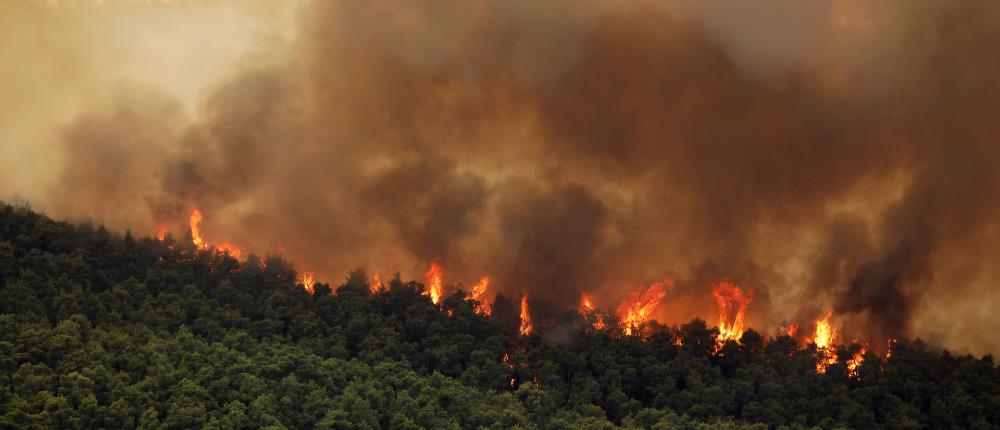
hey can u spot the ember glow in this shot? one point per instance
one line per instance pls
(478, 293)
(228, 248)
(732, 302)
(856, 360)
(589, 310)
(824, 341)
(639, 304)
(193, 222)
(526, 326)
(434, 284)
(308, 281)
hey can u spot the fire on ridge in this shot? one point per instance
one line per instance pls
(632, 313)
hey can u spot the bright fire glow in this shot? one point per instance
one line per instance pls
(824, 340)
(434, 282)
(732, 303)
(587, 307)
(161, 232)
(195, 233)
(233, 250)
(478, 294)
(526, 326)
(376, 284)
(639, 305)
(308, 281)
(855, 361)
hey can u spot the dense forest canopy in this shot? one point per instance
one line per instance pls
(107, 330)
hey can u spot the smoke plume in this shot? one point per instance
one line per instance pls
(841, 157)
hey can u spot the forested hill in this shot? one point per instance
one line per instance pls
(103, 330)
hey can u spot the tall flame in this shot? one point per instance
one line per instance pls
(526, 326)
(308, 281)
(856, 360)
(586, 303)
(195, 233)
(824, 332)
(824, 340)
(161, 232)
(639, 305)
(376, 284)
(478, 294)
(434, 284)
(732, 303)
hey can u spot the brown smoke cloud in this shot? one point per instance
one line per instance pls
(838, 159)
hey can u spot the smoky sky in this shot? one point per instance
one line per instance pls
(572, 146)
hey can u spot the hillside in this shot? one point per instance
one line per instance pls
(107, 330)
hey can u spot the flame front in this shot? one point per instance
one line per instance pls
(823, 339)
(855, 361)
(233, 250)
(478, 294)
(434, 282)
(161, 232)
(376, 284)
(526, 326)
(639, 305)
(732, 303)
(308, 281)
(587, 308)
(195, 233)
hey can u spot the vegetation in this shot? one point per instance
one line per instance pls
(100, 330)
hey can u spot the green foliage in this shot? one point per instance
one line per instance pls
(102, 331)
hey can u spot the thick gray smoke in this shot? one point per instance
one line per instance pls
(576, 146)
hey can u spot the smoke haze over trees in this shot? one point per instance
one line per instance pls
(831, 156)
(106, 330)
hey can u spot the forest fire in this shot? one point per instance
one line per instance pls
(478, 293)
(588, 309)
(639, 305)
(526, 326)
(201, 244)
(856, 360)
(732, 303)
(308, 281)
(376, 284)
(434, 282)
(233, 250)
(823, 339)
(193, 222)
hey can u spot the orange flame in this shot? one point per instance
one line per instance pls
(587, 307)
(376, 284)
(824, 332)
(195, 234)
(792, 329)
(233, 250)
(638, 306)
(433, 276)
(161, 232)
(824, 340)
(308, 281)
(855, 361)
(586, 303)
(526, 326)
(732, 303)
(478, 294)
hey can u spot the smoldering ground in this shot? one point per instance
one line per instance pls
(588, 146)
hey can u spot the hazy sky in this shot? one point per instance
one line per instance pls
(825, 155)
